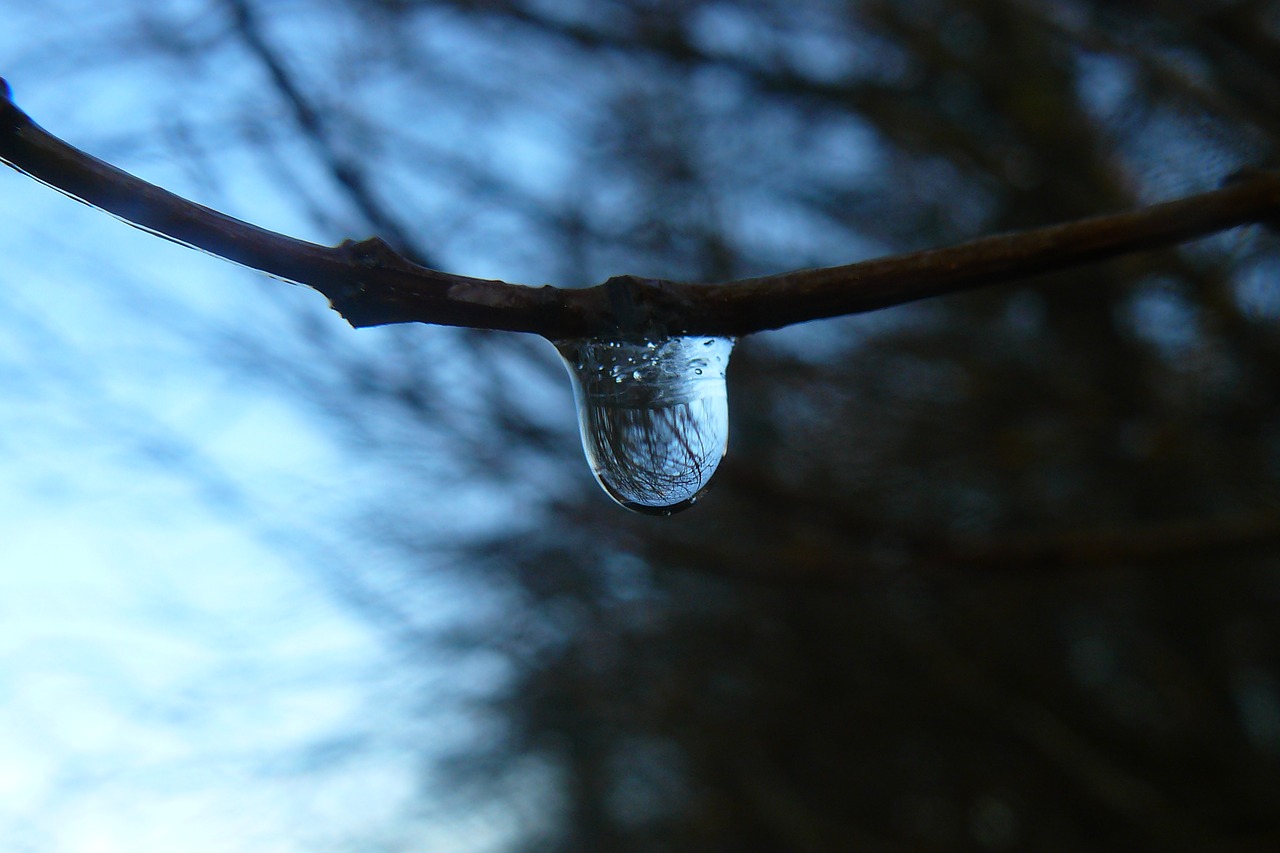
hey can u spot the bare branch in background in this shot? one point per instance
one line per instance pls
(370, 284)
(347, 173)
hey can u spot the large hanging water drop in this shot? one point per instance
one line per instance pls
(654, 416)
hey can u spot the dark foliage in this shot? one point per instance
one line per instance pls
(996, 572)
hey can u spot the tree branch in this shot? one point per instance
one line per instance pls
(369, 284)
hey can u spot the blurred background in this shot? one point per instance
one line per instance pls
(998, 571)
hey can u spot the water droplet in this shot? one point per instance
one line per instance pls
(654, 435)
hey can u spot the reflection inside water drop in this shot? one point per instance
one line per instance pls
(654, 416)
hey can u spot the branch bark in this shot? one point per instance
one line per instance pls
(370, 284)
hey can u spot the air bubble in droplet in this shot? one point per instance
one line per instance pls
(653, 436)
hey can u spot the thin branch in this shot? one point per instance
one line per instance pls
(774, 301)
(1148, 547)
(367, 282)
(310, 120)
(1159, 543)
(370, 284)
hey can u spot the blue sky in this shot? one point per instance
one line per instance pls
(174, 531)
(173, 673)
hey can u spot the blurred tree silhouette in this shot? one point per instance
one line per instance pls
(993, 572)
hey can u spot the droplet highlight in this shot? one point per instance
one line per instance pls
(654, 416)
